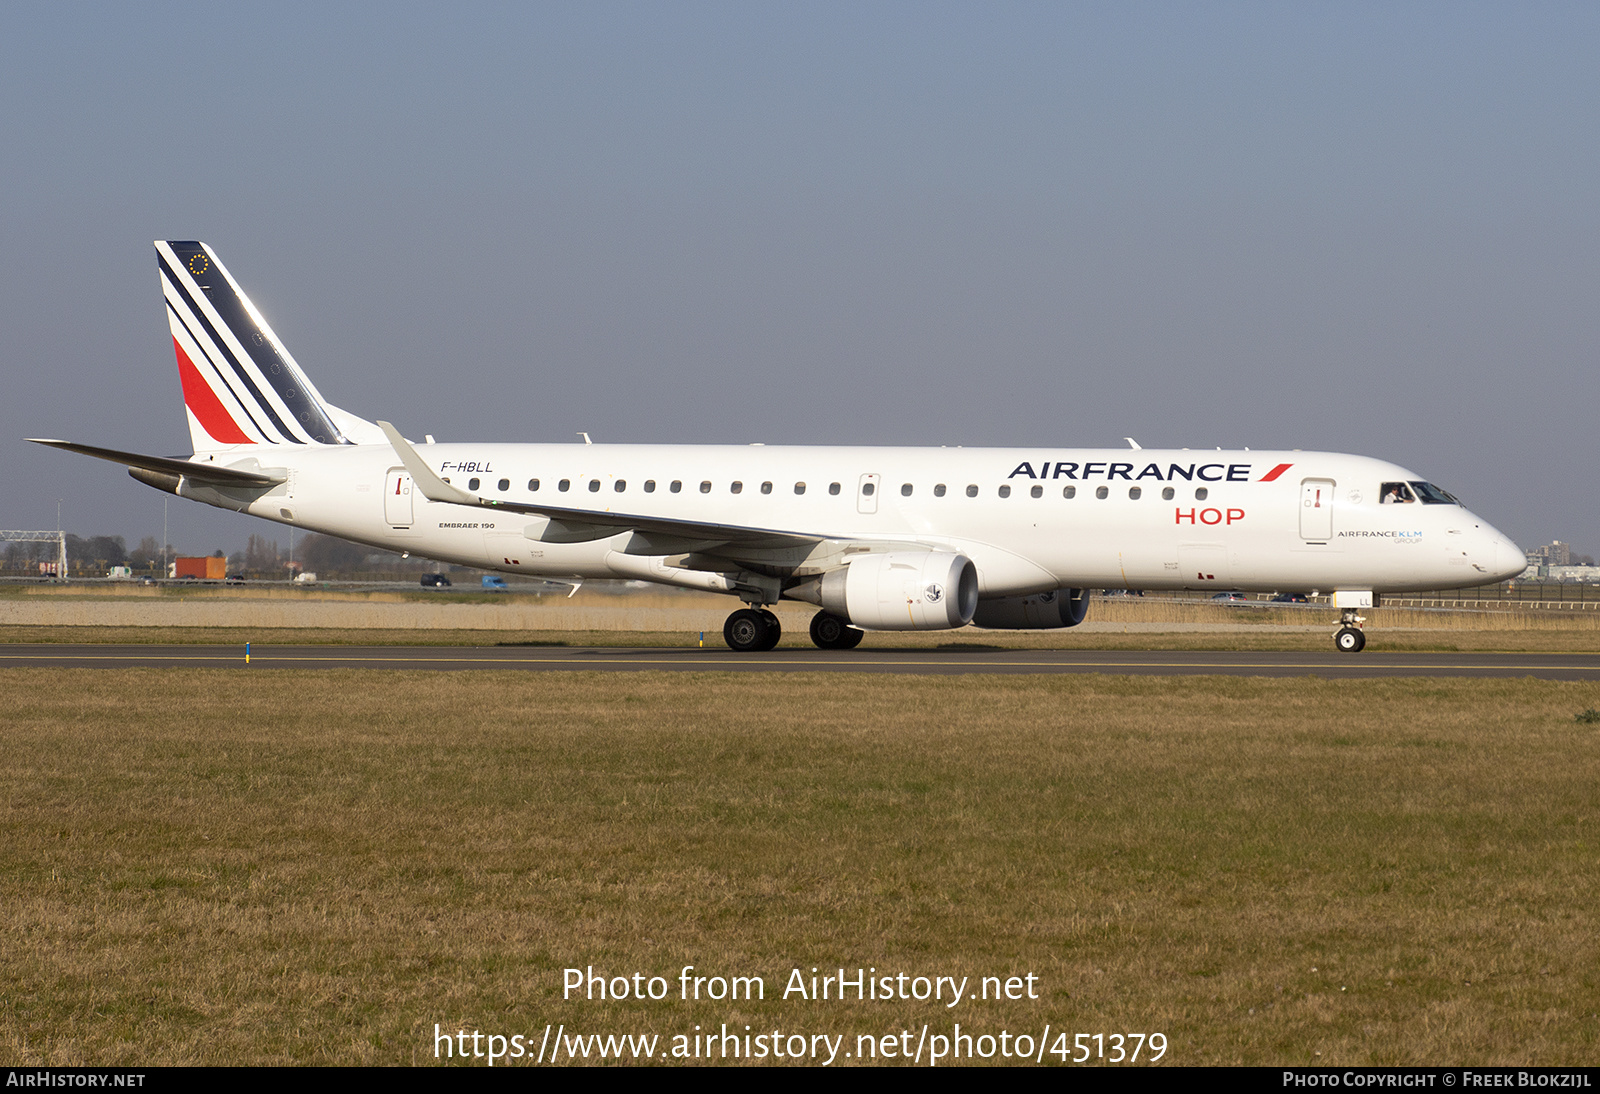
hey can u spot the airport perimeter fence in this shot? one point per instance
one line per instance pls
(1560, 595)
(1542, 595)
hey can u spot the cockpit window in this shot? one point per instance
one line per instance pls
(1396, 493)
(1432, 495)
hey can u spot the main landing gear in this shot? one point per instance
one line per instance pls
(830, 632)
(756, 630)
(1350, 638)
(751, 630)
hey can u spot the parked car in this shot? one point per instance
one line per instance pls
(435, 581)
(1232, 598)
(495, 583)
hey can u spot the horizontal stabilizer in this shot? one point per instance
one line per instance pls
(171, 465)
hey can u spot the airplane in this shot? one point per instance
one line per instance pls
(890, 539)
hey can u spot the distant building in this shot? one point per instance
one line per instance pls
(1554, 553)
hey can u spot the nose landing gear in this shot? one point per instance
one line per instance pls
(1350, 638)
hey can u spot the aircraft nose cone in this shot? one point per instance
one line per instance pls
(1509, 560)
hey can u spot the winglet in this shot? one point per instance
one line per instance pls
(432, 486)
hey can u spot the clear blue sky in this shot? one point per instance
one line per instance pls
(1368, 228)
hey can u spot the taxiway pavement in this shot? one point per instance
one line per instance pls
(1332, 665)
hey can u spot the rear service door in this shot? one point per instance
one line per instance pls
(1316, 510)
(397, 498)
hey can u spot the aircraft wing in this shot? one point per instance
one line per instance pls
(209, 473)
(572, 525)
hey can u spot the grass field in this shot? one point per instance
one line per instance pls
(317, 867)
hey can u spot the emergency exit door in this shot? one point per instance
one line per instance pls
(867, 493)
(1316, 510)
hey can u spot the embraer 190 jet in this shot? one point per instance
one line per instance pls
(877, 538)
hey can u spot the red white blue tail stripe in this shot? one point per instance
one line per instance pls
(240, 385)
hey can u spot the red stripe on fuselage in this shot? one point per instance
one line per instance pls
(204, 404)
(1275, 472)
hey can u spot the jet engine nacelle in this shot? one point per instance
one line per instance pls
(903, 591)
(1041, 611)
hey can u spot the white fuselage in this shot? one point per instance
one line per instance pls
(1267, 521)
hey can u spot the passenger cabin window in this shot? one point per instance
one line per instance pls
(833, 488)
(1005, 491)
(799, 488)
(504, 485)
(472, 484)
(564, 485)
(766, 488)
(735, 487)
(905, 490)
(1134, 493)
(938, 490)
(1167, 493)
(1069, 491)
(705, 487)
(1201, 493)
(649, 486)
(1395, 493)
(621, 485)
(533, 485)
(867, 489)
(594, 486)
(972, 490)
(1037, 492)
(677, 485)
(1102, 492)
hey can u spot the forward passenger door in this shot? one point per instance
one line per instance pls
(1316, 510)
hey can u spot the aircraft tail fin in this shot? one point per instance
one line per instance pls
(240, 385)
